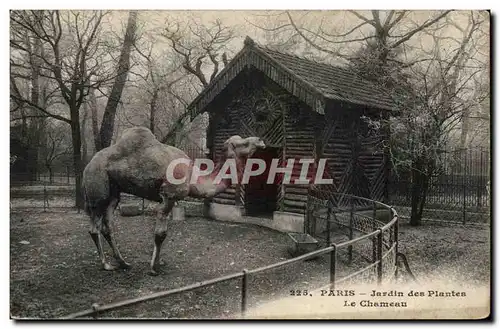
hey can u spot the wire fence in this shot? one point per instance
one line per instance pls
(65, 177)
(378, 248)
(459, 191)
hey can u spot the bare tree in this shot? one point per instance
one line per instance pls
(34, 88)
(108, 119)
(72, 58)
(92, 104)
(202, 51)
(162, 72)
(433, 96)
(57, 145)
(431, 86)
(200, 46)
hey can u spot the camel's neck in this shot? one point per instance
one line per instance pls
(211, 185)
(224, 166)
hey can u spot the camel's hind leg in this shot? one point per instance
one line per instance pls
(160, 233)
(107, 232)
(95, 228)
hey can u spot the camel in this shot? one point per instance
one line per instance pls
(137, 165)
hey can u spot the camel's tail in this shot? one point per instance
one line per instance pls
(86, 203)
(91, 207)
(95, 187)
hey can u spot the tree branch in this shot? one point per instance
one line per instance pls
(408, 35)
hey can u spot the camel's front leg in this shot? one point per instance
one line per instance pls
(160, 233)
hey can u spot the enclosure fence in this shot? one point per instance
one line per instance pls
(369, 238)
(62, 177)
(459, 190)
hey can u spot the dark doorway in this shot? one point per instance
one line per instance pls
(260, 197)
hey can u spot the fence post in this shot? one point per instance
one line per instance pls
(244, 288)
(480, 184)
(396, 233)
(333, 265)
(328, 227)
(313, 218)
(307, 218)
(351, 231)
(379, 256)
(374, 227)
(464, 190)
(95, 308)
(45, 199)
(143, 208)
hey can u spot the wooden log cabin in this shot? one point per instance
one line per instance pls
(301, 109)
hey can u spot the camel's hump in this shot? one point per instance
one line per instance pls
(134, 139)
(140, 140)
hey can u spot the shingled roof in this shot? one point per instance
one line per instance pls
(310, 81)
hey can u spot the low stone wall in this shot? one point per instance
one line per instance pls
(281, 221)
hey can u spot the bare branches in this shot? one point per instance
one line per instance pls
(68, 69)
(200, 46)
(107, 125)
(363, 18)
(382, 32)
(20, 100)
(390, 25)
(310, 42)
(410, 34)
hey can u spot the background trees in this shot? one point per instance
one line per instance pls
(65, 49)
(430, 63)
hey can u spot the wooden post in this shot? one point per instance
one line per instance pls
(45, 198)
(480, 183)
(307, 217)
(328, 227)
(379, 256)
(95, 308)
(143, 208)
(333, 266)
(244, 296)
(351, 231)
(374, 227)
(396, 233)
(464, 189)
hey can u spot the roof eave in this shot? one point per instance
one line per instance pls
(371, 105)
(316, 99)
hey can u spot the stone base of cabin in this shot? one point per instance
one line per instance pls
(281, 221)
(178, 213)
(288, 221)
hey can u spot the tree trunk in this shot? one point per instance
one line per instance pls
(152, 112)
(77, 157)
(108, 119)
(33, 141)
(51, 174)
(419, 189)
(465, 128)
(83, 139)
(415, 218)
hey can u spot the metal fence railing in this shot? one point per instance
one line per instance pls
(381, 239)
(459, 191)
(64, 177)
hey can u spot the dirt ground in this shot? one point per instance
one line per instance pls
(448, 252)
(58, 272)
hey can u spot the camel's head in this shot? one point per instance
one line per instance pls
(237, 147)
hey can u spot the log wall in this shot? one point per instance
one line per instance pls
(355, 160)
